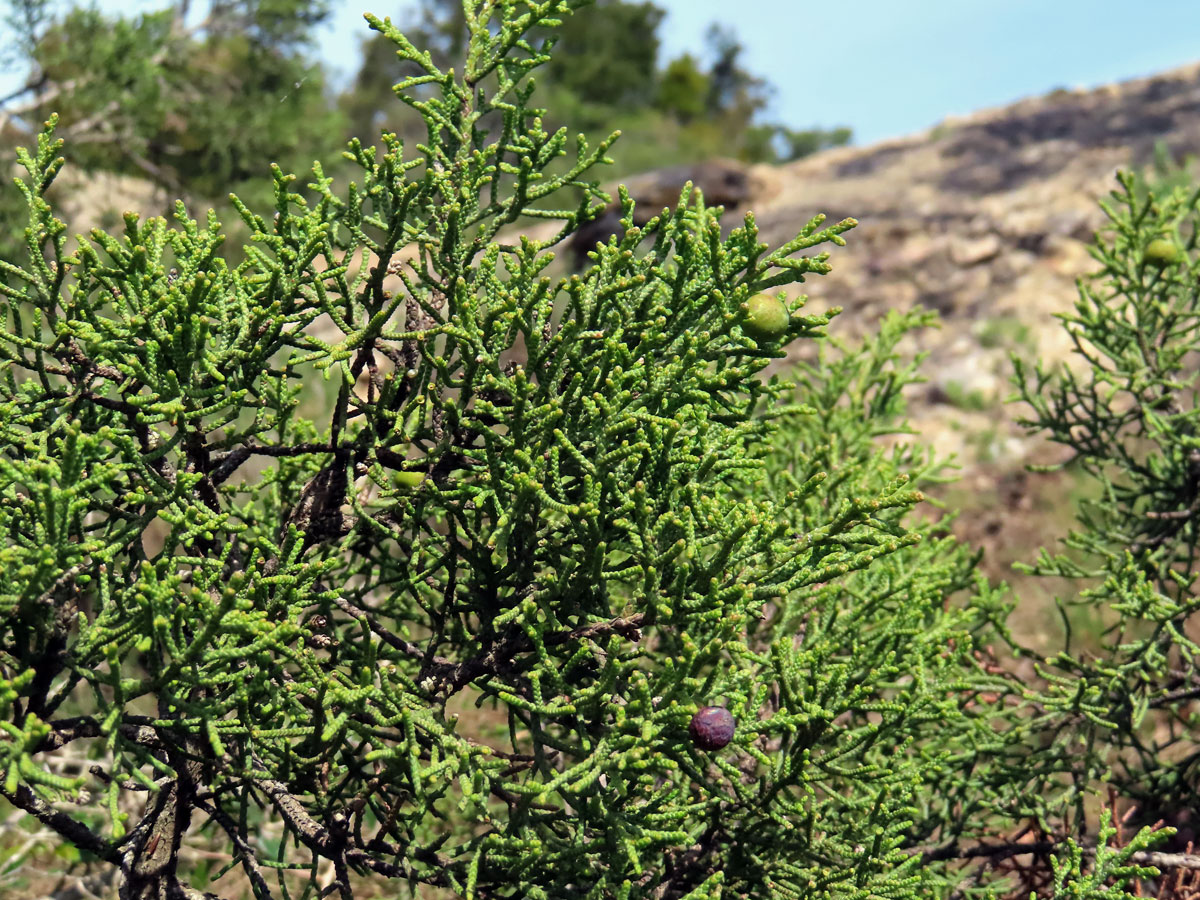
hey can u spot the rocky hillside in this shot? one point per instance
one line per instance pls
(985, 219)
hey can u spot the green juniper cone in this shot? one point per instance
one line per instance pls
(712, 728)
(1162, 252)
(767, 318)
(385, 556)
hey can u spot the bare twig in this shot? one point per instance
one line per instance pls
(75, 832)
(998, 852)
(249, 857)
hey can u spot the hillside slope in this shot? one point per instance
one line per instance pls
(986, 219)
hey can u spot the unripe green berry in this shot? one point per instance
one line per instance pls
(766, 317)
(1161, 252)
(408, 480)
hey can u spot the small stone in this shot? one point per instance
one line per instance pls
(712, 728)
(966, 252)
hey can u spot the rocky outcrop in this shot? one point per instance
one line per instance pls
(985, 219)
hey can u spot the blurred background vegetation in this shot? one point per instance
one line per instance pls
(198, 102)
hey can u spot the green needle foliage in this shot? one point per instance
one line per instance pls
(1120, 706)
(383, 555)
(1074, 879)
(1129, 417)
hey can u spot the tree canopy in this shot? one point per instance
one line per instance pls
(606, 72)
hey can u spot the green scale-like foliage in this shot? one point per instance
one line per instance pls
(454, 634)
(1118, 702)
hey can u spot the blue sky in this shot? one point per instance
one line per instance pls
(888, 68)
(891, 67)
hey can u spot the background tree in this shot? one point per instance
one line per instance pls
(608, 55)
(607, 75)
(195, 107)
(370, 104)
(683, 89)
(733, 92)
